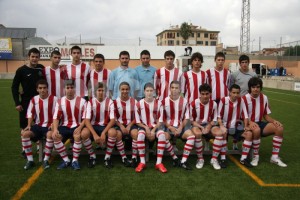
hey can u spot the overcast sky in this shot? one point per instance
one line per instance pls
(131, 19)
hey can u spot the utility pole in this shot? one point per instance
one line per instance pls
(245, 27)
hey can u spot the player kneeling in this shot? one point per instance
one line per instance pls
(40, 110)
(257, 106)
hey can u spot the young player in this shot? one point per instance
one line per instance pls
(147, 113)
(99, 74)
(69, 110)
(203, 119)
(165, 75)
(56, 75)
(175, 115)
(79, 72)
(257, 107)
(191, 80)
(40, 111)
(125, 122)
(231, 109)
(218, 78)
(242, 76)
(100, 119)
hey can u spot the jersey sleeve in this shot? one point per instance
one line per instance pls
(88, 111)
(30, 109)
(137, 112)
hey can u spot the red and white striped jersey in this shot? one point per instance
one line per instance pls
(42, 110)
(124, 110)
(96, 77)
(55, 79)
(174, 112)
(70, 112)
(190, 84)
(219, 82)
(100, 113)
(203, 113)
(147, 113)
(81, 74)
(162, 80)
(230, 112)
(256, 107)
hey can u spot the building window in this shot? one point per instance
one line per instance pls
(206, 35)
(200, 42)
(177, 42)
(198, 35)
(206, 43)
(183, 42)
(213, 43)
(193, 35)
(213, 36)
(177, 34)
(170, 42)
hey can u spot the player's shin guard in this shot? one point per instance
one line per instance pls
(76, 150)
(246, 148)
(89, 148)
(188, 148)
(161, 145)
(217, 145)
(277, 141)
(120, 147)
(27, 146)
(111, 141)
(199, 148)
(255, 145)
(141, 145)
(48, 148)
(134, 148)
(61, 149)
(223, 150)
(170, 149)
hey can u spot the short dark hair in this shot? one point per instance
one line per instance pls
(169, 53)
(175, 82)
(69, 82)
(148, 85)
(99, 55)
(244, 57)
(126, 53)
(234, 86)
(124, 83)
(55, 52)
(205, 87)
(101, 85)
(219, 54)
(145, 52)
(75, 47)
(197, 55)
(254, 81)
(34, 50)
(41, 82)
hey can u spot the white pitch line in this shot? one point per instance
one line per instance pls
(282, 93)
(285, 101)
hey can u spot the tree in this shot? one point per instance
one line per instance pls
(292, 51)
(185, 31)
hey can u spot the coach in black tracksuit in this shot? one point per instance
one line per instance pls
(27, 76)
